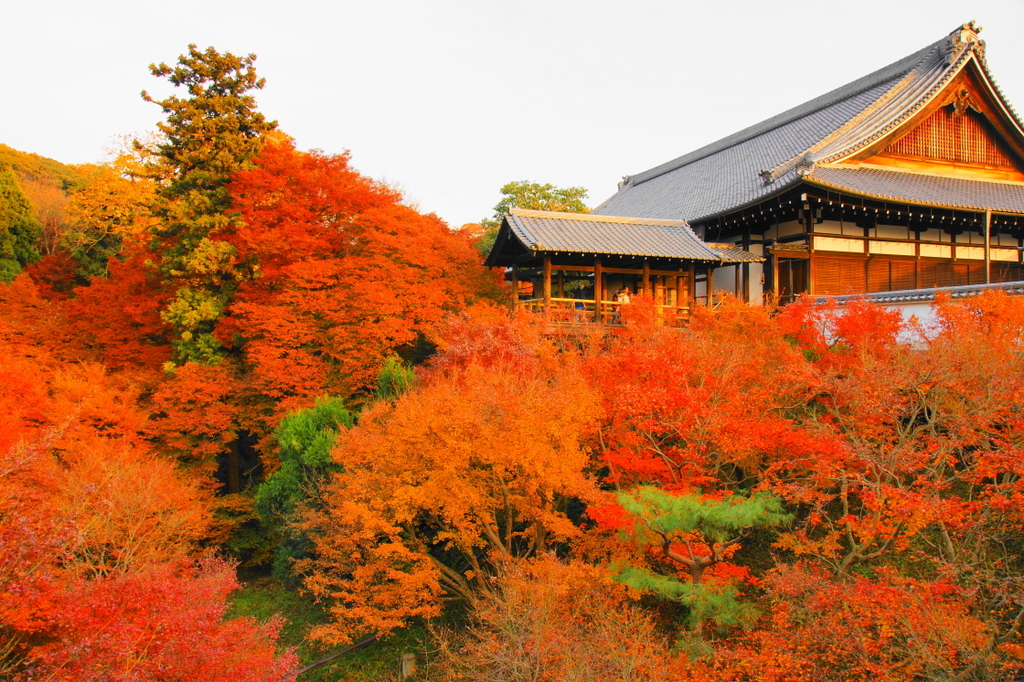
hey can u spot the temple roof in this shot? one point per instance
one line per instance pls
(805, 143)
(535, 233)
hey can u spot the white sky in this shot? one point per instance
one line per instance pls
(451, 99)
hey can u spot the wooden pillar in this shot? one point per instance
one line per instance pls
(515, 288)
(917, 261)
(647, 278)
(809, 229)
(691, 285)
(598, 289)
(988, 246)
(561, 284)
(681, 296)
(746, 267)
(775, 276)
(547, 283)
(711, 285)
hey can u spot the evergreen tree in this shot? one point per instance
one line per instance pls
(694, 532)
(210, 135)
(19, 229)
(305, 440)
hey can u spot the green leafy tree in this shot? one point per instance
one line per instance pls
(394, 379)
(534, 196)
(692, 533)
(113, 208)
(210, 135)
(305, 440)
(19, 229)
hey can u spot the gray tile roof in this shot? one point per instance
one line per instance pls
(928, 295)
(550, 232)
(731, 253)
(773, 155)
(934, 190)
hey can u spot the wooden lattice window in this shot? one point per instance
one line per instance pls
(891, 274)
(1007, 272)
(950, 274)
(961, 138)
(834, 276)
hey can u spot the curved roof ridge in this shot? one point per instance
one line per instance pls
(1012, 113)
(897, 69)
(590, 217)
(883, 121)
(915, 89)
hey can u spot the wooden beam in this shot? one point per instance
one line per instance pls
(598, 289)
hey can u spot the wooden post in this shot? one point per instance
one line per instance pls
(547, 283)
(682, 290)
(746, 267)
(691, 285)
(917, 262)
(515, 288)
(561, 284)
(711, 285)
(775, 276)
(988, 246)
(647, 278)
(408, 668)
(598, 289)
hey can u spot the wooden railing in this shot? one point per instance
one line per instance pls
(568, 311)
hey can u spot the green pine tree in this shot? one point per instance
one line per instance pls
(210, 135)
(694, 532)
(19, 229)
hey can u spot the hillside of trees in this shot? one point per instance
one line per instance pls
(254, 409)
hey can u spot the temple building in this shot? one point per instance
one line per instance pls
(910, 178)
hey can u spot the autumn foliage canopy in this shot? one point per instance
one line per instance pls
(239, 348)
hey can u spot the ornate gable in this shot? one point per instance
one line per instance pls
(957, 140)
(965, 129)
(956, 136)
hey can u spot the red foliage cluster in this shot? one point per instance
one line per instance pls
(888, 454)
(108, 452)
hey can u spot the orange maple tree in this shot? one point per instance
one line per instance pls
(481, 464)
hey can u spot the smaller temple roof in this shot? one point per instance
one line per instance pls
(549, 232)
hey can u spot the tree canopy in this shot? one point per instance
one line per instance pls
(530, 195)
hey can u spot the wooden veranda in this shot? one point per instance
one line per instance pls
(570, 266)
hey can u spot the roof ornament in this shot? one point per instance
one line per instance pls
(806, 165)
(624, 181)
(961, 101)
(963, 38)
